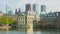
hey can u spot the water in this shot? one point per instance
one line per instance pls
(29, 31)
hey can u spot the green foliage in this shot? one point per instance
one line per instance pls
(6, 20)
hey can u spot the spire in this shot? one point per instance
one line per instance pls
(19, 11)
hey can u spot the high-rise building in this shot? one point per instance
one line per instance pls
(28, 7)
(43, 8)
(35, 7)
(43, 11)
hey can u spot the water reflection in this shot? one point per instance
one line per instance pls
(21, 29)
(26, 30)
(47, 31)
(29, 31)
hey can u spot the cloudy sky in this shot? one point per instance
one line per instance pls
(51, 5)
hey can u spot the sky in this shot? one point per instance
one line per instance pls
(51, 5)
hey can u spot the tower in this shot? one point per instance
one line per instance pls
(43, 8)
(28, 7)
(35, 7)
(43, 11)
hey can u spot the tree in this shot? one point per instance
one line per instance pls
(6, 20)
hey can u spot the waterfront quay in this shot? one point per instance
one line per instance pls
(4, 27)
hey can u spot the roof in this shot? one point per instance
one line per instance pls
(22, 13)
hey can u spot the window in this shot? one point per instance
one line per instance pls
(23, 22)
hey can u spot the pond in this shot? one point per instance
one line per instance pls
(29, 31)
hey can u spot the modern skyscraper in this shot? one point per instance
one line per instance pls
(43, 8)
(28, 7)
(43, 11)
(35, 7)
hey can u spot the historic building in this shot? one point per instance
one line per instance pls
(24, 20)
(21, 20)
(51, 19)
(29, 17)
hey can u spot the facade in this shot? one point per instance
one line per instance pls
(30, 18)
(58, 22)
(36, 17)
(21, 21)
(48, 22)
(51, 19)
(25, 20)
